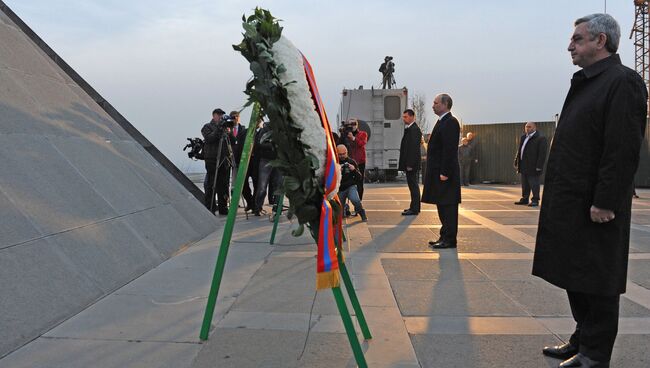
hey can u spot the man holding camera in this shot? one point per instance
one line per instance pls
(350, 176)
(218, 160)
(355, 140)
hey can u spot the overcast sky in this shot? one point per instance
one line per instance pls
(165, 65)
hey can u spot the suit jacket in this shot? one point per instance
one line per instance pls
(534, 155)
(442, 159)
(237, 143)
(409, 149)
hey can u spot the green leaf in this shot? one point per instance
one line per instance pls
(290, 183)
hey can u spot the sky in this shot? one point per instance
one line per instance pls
(165, 65)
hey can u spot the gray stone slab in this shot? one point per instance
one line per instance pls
(151, 171)
(163, 228)
(524, 217)
(285, 285)
(639, 241)
(20, 113)
(199, 218)
(531, 231)
(639, 272)
(244, 348)
(428, 269)
(67, 201)
(108, 253)
(510, 270)
(542, 299)
(401, 239)
(483, 351)
(71, 353)
(486, 241)
(453, 298)
(641, 219)
(40, 288)
(15, 227)
(21, 54)
(136, 317)
(114, 179)
(396, 218)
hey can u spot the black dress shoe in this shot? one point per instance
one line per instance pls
(564, 351)
(434, 242)
(443, 245)
(521, 202)
(583, 361)
(533, 204)
(409, 213)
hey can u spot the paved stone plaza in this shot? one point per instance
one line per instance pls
(474, 306)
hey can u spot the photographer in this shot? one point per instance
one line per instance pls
(350, 176)
(355, 140)
(217, 163)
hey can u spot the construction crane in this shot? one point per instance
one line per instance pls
(641, 34)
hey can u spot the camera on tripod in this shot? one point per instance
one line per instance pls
(196, 148)
(226, 121)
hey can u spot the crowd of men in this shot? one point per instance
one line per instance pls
(224, 139)
(582, 241)
(583, 235)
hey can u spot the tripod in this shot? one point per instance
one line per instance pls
(227, 160)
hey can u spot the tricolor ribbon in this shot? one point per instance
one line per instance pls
(331, 229)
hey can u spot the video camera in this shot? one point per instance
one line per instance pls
(226, 121)
(196, 148)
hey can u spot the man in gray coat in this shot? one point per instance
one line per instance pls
(584, 226)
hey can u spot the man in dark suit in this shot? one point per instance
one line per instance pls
(238, 139)
(442, 178)
(529, 162)
(583, 237)
(409, 159)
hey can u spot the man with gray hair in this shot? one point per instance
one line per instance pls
(584, 225)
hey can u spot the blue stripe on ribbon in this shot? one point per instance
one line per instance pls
(326, 254)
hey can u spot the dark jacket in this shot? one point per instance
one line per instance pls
(534, 155)
(238, 142)
(263, 149)
(211, 136)
(442, 159)
(409, 149)
(592, 161)
(465, 154)
(349, 177)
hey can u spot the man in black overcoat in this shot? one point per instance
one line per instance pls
(442, 178)
(584, 225)
(409, 159)
(529, 162)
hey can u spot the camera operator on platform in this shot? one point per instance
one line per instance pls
(218, 157)
(355, 140)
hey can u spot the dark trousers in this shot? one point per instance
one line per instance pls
(268, 176)
(464, 172)
(220, 188)
(362, 169)
(596, 319)
(448, 215)
(246, 192)
(528, 183)
(414, 188)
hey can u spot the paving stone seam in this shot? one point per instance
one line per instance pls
(68, 338)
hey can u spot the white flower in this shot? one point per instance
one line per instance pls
(303, 112)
